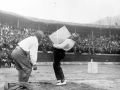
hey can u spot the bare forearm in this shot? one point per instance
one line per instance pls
(57, 46)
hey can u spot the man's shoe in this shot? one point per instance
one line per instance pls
(60, 83)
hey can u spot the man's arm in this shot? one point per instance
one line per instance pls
(33, 53)
(33, 56)
(62, 45)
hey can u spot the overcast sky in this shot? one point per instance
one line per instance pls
(78, 11)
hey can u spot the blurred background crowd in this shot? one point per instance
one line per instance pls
(89, 44)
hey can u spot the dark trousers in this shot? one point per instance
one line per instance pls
(59, 54)
(22, 64)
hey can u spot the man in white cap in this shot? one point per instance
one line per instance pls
(25, 55)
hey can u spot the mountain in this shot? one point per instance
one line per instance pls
(110, 21)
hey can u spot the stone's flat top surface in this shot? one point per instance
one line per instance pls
(60, 35)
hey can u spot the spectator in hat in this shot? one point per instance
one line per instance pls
(25, 55)
(59, 54)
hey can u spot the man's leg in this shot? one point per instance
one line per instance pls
(22, 64)
(58, 56)
(23, 76)
(58, 70)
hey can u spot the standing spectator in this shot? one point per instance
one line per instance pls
(25, 55)
(59, 54)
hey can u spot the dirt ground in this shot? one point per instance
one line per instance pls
(77, 76)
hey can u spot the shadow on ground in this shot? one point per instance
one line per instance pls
(69, 86)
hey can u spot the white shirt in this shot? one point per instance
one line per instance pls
(66, 45)
(30, 45)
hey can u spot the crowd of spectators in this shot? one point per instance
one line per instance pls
(98, 44)
(87, 44)
(90, 44)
